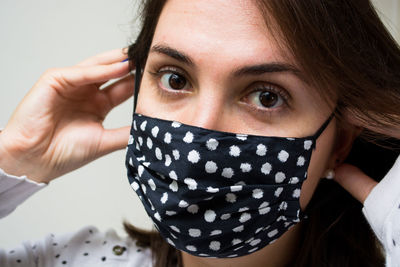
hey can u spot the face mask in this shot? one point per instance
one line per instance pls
(217, 194)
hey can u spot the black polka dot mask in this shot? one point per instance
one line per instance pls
(217, 194)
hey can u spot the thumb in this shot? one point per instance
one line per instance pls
(353, 180)
(114, 139)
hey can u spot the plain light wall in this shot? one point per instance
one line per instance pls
(37, 35)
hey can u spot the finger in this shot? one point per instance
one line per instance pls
(105, 58)
(114, 139)
(79, 76)
(118, 92)
(353, 180)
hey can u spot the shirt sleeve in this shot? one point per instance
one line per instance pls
(15, 190)
(382, 210)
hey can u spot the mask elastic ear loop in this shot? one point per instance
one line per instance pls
(322, 128)
(138, 78)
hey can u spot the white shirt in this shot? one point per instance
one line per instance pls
(89, 247)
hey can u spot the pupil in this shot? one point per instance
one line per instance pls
(268, 99)
(176, 81)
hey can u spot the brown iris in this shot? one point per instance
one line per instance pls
(268, 99)
(176, 81)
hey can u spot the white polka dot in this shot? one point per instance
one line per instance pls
(170, 242)
(252, 250)
(215, 232)
(245, 167)
(143, 125)
(233, 256)
(143, 158)
(225, 216)
(167, 138)
(264, 208)
(236, 241)
(243, 209)
(234, 151)
(307, 144)
(164, 197)
(154, 131)
(174, 186)
(261, 150)
(244, 217)
(230, 198)
(172, 175)
(176, 154)
(157, 216)
(283, 206)
(131, 162)
(144, 189)
(134, 125)
(258, 193)
(158, 153)
(193, 209)
(238, 229)
(236, 188)
(283, 156)
(238, 248)
(279, 177)
(183, 204)
(209, 216)
(140, 140)
(170, 212)
(255, 242)
(242, 137)
(227, 172)
(293, 180)
(192, 184)
(272, 233)
(152, 184)
(193, 156)
(215, 245)
(278, 191)
(149, 143)
(167, 160)
(191, 248)
(135, 186)
(146, 164)
(300, 161)
(211, 189)
(296, 193)
(137, 147)
(188, 138)
(258, 230)
(212, 144)
(194, 232)
(266, 168)
(211, 167)
(131, 140)
(140, 170)
(176, 124)
(281, 218)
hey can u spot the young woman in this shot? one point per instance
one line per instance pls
(243, 106)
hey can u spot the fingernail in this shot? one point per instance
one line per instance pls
(125, 60)
(330, 174)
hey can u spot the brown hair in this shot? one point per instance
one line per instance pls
(345, 51)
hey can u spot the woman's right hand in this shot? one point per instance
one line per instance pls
(58, 125)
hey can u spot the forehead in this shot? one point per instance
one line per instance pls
(217, 30)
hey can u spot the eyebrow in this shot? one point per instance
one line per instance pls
(259, 69)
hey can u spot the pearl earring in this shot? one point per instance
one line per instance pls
(330, 174)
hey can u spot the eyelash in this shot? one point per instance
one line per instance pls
(262, 86)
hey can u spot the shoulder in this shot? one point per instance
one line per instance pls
(86, 247)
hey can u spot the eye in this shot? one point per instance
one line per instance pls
(266, 98)
(173, 81)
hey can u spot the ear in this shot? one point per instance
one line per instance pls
(343, 144)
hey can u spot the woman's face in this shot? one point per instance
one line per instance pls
(213, 64)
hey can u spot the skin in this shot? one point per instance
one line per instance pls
(67, 108)
(219, 39)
